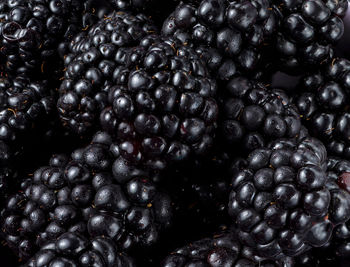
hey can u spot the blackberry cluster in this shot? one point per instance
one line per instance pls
(308, 32)
(232, 34)
(31, 31)
(252, 115)
(323, 103)
(281, 203)
(80, 195)
(221, 250)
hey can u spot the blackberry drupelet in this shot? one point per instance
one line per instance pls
(308, 32)
(282, 204)
(92, 66)
(73, 249)
(31, 30)
(230, 35)
(80, 195)
(221, 250)
(323, 103)
(252, 116)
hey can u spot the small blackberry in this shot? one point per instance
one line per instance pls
(281, 202)
(229, 34)
(221, 250)
(308, 32)
(81, 195)
(323, 105)
(252, 116)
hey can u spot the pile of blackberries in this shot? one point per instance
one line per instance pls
(153, 133)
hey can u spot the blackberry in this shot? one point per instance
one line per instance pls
(230, 35)
(26, 107)
(73, 249)
(282, 204)
(323, 105)
(159, 104)
(252, 115)
(80, 195)
(156, 9)
(31, 31)
(221, 250)
(308, 32)
(92, 67)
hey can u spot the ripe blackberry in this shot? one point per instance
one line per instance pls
(157, 102)
(31, 31)
(81, 195)
(92, 67)
(230, 34)
(221, 250)
(308, 32)
(281, 202)
(73, 249)
(323, 104)
(252, 116)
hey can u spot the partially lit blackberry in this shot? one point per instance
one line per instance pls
(282, 204)
(158, 10)
(80, 195)
(221, 250)
(73, 249)
(25, 111)
(93, 67)
(31, 30)
(252, 115)
(323, 103)
(309, 29)
(231, 33)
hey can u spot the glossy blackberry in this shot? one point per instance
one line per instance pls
(252, 116)
(31, 31)
(73, 249)
(92, 67)
(80, 195)
(281, 202)
(308, 32)
(221, 250)
(336, 252)
(323, 103)
(231, 35)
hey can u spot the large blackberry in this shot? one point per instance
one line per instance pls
(252, 116)
(281, 202)
(31, 30)
(221, 250)
(81, 195)
(230, 34)
(92, 67)
(323, 103)
(308, 31)
(159, 102)
(74, 249)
